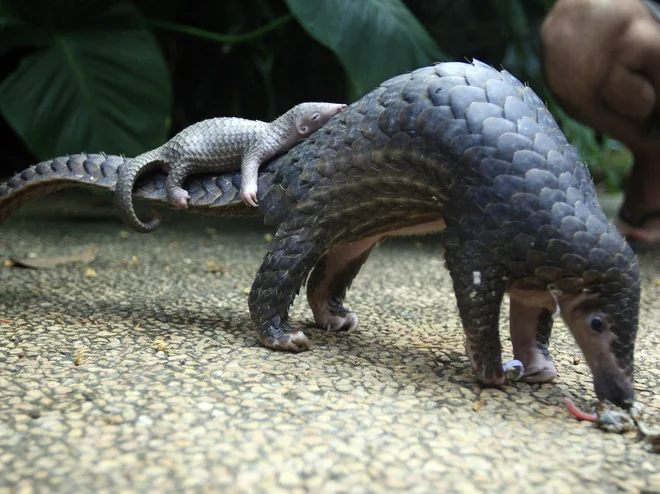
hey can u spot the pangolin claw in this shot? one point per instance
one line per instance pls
(344, 320)
(513, 364)
(250, 198)
(293, 341)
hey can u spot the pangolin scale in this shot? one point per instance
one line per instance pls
(456, 146)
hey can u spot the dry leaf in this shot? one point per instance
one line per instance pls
(159, 345)
(50, 262)
(79, 360)
(90, 273)
(478, 405)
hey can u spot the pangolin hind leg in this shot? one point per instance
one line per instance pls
(329, 281)
(177, 195)
(531, 326)
(290, 257)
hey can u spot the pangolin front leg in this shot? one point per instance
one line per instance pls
(531, 326)
(331, 278)
(479, 292)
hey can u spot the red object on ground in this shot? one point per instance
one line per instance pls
(572, 409)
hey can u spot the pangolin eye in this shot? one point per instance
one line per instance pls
(597, 324)
(316, 116)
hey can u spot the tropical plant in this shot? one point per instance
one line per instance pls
(95, 75)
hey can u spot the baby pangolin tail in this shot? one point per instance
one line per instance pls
(126, 179)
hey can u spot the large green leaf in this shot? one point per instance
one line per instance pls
(97, 85)
(374, 39)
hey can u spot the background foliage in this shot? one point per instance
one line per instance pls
(121, 76)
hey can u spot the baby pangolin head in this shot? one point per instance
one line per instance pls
(309, 117)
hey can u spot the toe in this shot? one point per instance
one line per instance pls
(539, 376)
(345, 321)
(293, 341)
(249, 199)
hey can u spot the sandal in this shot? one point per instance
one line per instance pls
(637, 221)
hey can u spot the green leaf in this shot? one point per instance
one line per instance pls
(373, 39)
(101, 85)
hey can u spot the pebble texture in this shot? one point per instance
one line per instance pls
(140, 371)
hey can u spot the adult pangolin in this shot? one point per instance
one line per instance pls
(457, 146)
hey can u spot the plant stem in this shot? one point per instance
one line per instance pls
(220, 38)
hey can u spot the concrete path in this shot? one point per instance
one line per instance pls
(139, 371)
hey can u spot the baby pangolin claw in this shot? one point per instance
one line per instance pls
(250, 198)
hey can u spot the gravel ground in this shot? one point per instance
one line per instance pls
(139, 371)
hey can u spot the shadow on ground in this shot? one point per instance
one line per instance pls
(173, 391)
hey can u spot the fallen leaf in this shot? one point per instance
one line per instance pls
(214, 267)
(159, 345)
(478, 405)
(123, 234)
(8, 263)
(134, 260)
(246, 291)
(6, 321)
(90, 273)
(79, 360)
(37, 262)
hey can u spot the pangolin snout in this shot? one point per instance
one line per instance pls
(615, 388)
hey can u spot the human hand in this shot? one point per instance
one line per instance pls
(602, 60)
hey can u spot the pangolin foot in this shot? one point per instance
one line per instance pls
(291, 341)
(179, 198)
(491, 378)
(249, 196)
(486, 367)
(538, 365)
(488, 375)
(338, 321)
(333, 316)
(536, 374)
